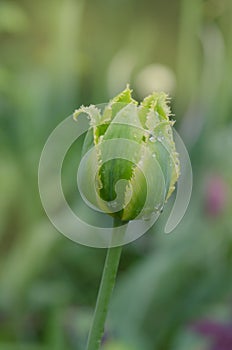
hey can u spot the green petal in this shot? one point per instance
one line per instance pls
(148, 187)
(92, 112)
(119, 102)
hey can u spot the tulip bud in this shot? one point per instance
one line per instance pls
(130, 145)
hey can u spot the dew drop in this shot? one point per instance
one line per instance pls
(159, 208)
(160, 137)
(152, 138)
(114, 204)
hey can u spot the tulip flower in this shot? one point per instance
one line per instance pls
(146, 124)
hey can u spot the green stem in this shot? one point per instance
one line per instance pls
(104, 294)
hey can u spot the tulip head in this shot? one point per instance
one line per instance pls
(130, 164)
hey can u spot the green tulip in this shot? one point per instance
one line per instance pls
(143, 134)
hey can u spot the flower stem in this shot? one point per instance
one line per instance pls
(104, 294)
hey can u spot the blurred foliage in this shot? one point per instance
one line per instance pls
(55, 56)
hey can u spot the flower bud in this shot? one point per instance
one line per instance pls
(130, 164)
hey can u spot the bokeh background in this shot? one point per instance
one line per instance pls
(173, 291)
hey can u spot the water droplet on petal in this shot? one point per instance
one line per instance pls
(160, 138)
(159, 208)
(114, 204)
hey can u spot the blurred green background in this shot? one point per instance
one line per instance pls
(56, 55)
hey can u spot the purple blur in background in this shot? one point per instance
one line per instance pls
(219, 333)
(216, 195)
